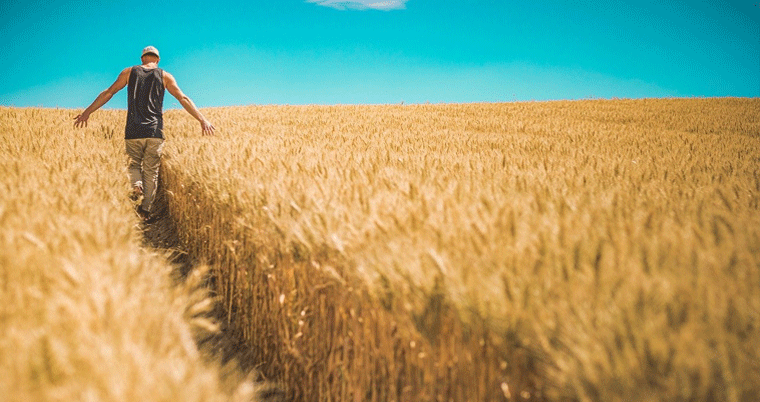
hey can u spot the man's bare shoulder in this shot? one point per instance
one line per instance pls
(125, 73)
(121, 81)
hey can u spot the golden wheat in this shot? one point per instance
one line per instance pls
(592, 250)
(587, 250)
(85, 312)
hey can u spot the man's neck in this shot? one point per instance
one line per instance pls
(150, 65)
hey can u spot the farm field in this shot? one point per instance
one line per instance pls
(86, 313)
(592, 250)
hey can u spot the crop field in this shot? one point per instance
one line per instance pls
(596, 250)
(87, 314)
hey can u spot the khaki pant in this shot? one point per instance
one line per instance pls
(144, 161)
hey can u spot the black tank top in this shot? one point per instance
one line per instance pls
(145, 103)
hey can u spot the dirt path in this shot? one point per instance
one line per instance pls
(237, 366)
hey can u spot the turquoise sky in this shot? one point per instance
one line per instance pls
(63, 53)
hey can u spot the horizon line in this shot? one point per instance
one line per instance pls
(402, 103)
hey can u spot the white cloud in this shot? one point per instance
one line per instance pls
(362, 4)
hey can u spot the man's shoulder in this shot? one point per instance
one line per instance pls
(125, 73)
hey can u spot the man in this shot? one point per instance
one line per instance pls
(143, 133)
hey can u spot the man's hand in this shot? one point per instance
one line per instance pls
(207, 128)
(81, 120)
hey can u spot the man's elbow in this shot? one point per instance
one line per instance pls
(185, 100)
(109, 93)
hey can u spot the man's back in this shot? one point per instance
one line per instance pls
(151, 111)
(144, 136)
(145, 101)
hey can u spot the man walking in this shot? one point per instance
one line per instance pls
(143, 133)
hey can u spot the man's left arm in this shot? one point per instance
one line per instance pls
(171, 85)
(81, 119)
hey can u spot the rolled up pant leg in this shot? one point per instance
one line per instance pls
(144, 162)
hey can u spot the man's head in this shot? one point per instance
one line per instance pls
(150, 54)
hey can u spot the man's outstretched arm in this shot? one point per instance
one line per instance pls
(123, 79)
(171, 85)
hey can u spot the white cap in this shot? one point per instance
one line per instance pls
(150, 50)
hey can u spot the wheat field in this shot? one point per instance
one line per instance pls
(597, 250)
(87, 313)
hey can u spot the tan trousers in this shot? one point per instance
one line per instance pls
(144, 161)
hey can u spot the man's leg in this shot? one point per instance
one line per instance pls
(135, 149)
(151, 163)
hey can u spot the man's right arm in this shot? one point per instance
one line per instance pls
(171, 85)
(121, 81)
